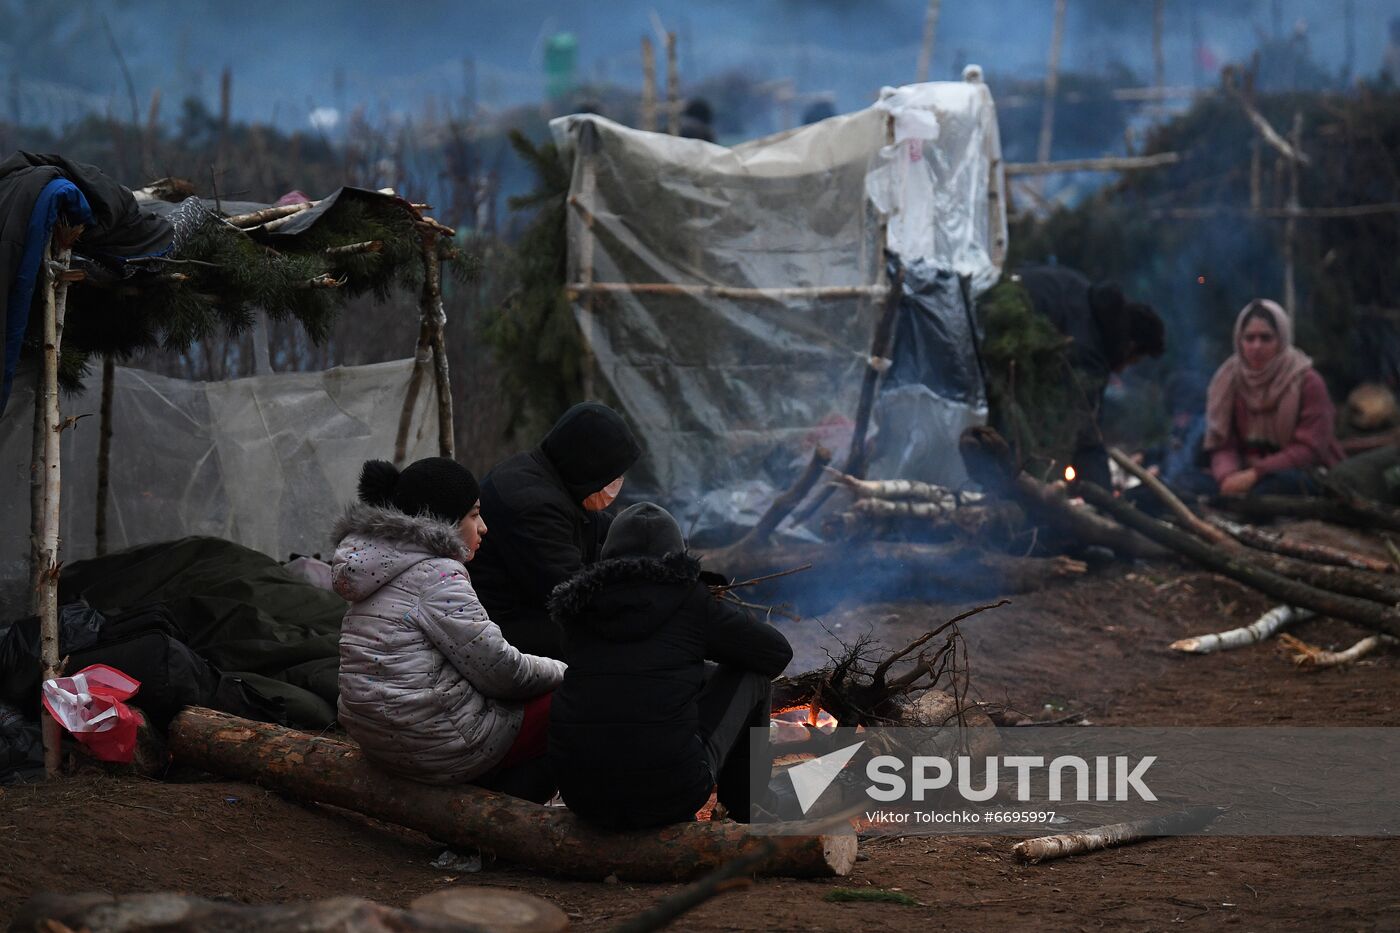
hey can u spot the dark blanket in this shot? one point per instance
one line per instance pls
(236, 607)
(116, 231)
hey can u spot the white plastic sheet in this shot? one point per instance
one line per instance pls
(265, 461)
(729, 384)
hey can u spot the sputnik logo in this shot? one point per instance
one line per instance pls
(811, 778)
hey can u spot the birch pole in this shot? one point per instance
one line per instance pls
(55, 299)
(926, 49)
(434, 324)
(1052, 86)
(104, 452)
(1159, 60)
(1290, 226)
(648, 107)
(673, 87)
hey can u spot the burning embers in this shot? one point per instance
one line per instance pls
(796, 724)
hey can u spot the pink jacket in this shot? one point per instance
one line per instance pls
(1314, 442)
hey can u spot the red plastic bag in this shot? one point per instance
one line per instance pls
(89, 705)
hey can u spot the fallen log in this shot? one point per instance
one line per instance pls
(1353, 513)
(1276, 542)
(1312, 657)
(872, 516)
(1046, 848)
(901, 564)
(1233, 564)
(988, 461)
(897, 490)
(1265, 627)
(549, 839)
(1381, 588)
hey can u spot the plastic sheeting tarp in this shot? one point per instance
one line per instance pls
(940, 183)
(266, 461)
(676, 246)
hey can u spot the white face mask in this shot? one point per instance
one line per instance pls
(604, 497)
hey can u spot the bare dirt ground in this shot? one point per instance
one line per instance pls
(1097, 646)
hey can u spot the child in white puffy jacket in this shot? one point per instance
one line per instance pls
(429, 687)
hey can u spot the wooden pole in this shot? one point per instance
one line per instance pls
(434, 324)
(104, 451)
(1107, 164)
(1349, 39)
(587, 189)
(1052, 85)
(1278, 213)
(36, 497)
(673, 88)
(1159, 61)
(550, 839)
(578, 289)
(1256, 171)
(926, 49)
(55, 263)
(648, 115)
(1290, 226)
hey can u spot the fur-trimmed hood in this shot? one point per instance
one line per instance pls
(375, 544)
(618, 597)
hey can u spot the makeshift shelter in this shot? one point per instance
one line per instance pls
(262, 461)
(253, 460)
(729, 295)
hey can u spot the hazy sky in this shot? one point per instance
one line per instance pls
(286, 56)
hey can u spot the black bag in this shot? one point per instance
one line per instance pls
(171, 675)
(79, 627)
(21, 746)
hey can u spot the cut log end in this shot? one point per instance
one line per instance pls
(839, 853)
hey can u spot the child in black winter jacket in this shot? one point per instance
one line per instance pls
(664, 682)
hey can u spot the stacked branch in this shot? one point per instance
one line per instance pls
(899, 505)
(1236, 564)
(1264, 539)
(989, 462)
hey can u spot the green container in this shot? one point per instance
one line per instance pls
(560, 64)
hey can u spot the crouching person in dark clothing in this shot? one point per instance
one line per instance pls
(663, 684)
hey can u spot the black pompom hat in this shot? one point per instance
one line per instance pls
(438, 486)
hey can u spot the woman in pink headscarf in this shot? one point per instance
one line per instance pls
(1268, 415)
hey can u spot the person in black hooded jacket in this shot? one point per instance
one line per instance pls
(664, 682)
(545, 509)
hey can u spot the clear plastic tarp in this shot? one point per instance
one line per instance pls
(266, 461)
(729, 295)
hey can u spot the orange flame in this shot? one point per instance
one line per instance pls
(1069, 474)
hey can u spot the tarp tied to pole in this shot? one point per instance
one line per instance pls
(265, 461)
(728, 295)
